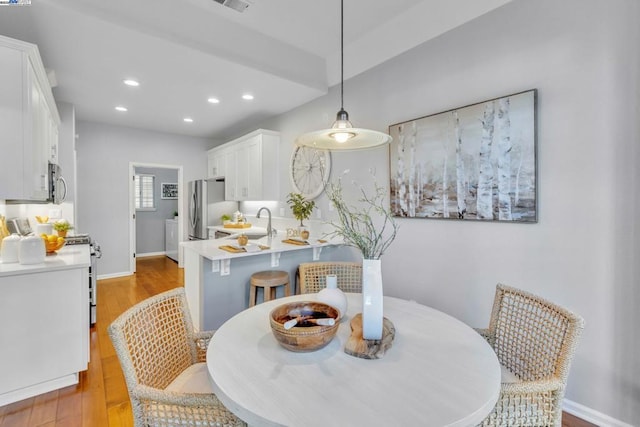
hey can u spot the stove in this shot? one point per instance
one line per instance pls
(96, 253)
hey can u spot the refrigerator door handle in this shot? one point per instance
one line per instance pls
(193, 210)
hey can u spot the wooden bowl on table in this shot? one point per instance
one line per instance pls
(305, 336)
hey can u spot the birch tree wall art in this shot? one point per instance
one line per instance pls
(475, 163)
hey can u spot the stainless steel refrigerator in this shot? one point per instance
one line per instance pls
(206, 206)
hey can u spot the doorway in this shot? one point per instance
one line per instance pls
(165, 206)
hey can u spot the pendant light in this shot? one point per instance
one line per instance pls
(342, 135)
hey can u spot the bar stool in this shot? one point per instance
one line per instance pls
(269, 281)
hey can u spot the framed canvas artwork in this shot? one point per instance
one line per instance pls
(169, 190)
(471, 163)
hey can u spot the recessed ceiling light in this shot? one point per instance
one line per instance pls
(131, 82)
(188, 120)
(247, 96)
(121, 108)
(213, 100)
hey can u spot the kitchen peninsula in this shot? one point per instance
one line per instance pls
(44, 323)
(217, 282)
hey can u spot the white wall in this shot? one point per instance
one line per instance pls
(104, 154)
(582, 56)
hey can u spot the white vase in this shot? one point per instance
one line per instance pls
(372, 313)
(333, 296)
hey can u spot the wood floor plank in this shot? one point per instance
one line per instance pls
(69, 402)
(71, 421)
(94, 408)
(101, 398)
(17, 414)
(120, 415)
(45, 408)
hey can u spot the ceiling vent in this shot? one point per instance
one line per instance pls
(239, 5)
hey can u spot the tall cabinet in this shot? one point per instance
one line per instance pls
(249, 166)
(28, 123)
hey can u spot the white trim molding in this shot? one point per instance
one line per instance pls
(591, 415)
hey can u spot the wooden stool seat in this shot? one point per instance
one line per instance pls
(269, 281)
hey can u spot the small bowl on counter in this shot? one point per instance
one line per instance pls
(53, 243)
(295, 325)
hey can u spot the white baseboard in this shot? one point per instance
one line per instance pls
(113, 275)
(591, 415)
(148, 254)
(126, 273)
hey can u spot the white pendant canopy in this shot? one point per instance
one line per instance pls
(342, 135)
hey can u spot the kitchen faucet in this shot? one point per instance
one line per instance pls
(270, 231)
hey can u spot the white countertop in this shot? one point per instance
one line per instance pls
(69, 257)
(210, 248)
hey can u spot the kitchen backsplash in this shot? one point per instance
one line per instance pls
(54, 212)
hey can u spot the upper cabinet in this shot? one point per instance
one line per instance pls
(249, 166)
(29, 123)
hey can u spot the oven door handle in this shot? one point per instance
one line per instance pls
(97, 252)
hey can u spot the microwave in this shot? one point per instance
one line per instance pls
(57, 185)
(57, 188)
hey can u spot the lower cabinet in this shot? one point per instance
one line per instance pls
(44, 331)
(171, 239)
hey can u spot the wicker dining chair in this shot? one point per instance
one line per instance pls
(535, 341)
(313, 276)
(163, 361)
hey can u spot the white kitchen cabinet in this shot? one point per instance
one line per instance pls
(44, 324)
(216, 159)
(230, 178)
(250, 166)
(171, 239)
(28, 123)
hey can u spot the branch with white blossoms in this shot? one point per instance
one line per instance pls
(356, 225)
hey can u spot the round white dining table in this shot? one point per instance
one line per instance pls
(439, 372)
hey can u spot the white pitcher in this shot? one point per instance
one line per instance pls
(333, 296)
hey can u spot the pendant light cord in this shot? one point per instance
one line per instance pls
(341, 54)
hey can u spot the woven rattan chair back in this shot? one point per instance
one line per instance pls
(155, 343)
(154, 340)
(313, 276)
(534, 338)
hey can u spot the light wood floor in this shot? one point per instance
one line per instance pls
(100, 398)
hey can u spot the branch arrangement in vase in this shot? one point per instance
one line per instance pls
(356, 224)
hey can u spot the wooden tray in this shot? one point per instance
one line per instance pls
(241, 225)
(235, 250)
(369, 349)
(295, 242)
(301, 243)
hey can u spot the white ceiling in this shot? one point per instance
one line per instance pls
(284, 52)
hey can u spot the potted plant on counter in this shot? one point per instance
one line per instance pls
(302, 210)
(62, 226)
